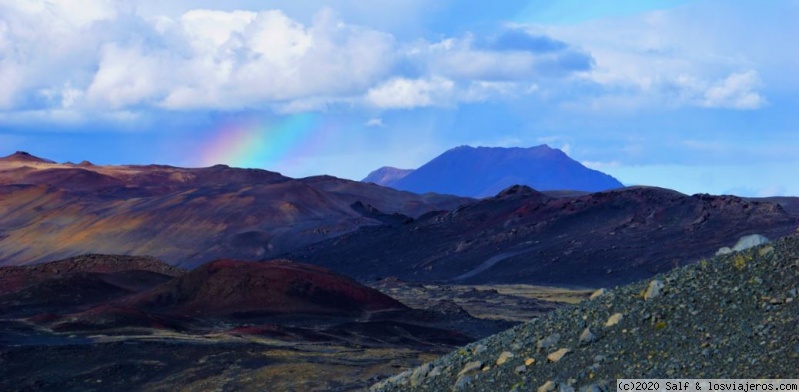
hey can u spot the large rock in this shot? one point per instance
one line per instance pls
(749, 241)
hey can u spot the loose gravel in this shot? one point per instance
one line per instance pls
(733, 316)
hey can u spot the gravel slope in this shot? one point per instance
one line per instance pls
(732, 316)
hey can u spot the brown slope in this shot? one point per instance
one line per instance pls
(522, 236)
(14, 278)
(74, 179)
(240, 288)
(182, 216)
(76, 292)
(23, 157)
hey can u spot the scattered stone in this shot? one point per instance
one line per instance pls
(480, 348)
(566, 388)
(548, 386)
(435, 372)
(749, 241)
(653, 291)
(548, 342)
(724, 250)
(399, 379)
(420, 373)
(737, 298)
(462, 382)
(558, 355)
(614, 319)
(471, 367)
(587, 337)
(504, 357)
(597, 293)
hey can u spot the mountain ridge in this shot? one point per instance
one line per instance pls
(525, 236)
(184, 216)
(24, 157)
(484, 171)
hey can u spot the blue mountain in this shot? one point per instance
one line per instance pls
(485, 171)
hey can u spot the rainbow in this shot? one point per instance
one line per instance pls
(259, 143)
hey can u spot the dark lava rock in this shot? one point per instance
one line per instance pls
(242, 289)
(732, 316)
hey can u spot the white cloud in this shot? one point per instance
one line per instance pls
(401, 93)
(202, 59)
(64, 14)
(481, 90)
(66, 96)
(737, 91)
(97, 55)
(457, 58)
(208, 30)
(375, 122)
(127, 76)
(669, 59)
(252, 60)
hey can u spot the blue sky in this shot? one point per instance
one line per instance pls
(698, 96)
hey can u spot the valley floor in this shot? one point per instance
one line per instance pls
(33, 358)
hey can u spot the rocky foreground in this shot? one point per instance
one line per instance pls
(732, 316)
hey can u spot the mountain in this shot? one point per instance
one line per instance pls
(115, 321)
(387, 175)
(13, 278)
(733, 316)
(241, 288)
(78, 283)
(24, 157)
(525, 236)
(484, 171)
(185, 216)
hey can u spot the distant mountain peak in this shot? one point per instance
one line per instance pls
(386, 175)
(518, 190)
(485, 171)
(22, 156)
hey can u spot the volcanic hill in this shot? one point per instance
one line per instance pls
(484, 171)
(78, 283)
(183, 216)
(525, 236)
(23, 157)
(242, 289)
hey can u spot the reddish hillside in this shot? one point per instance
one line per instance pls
(240, 288)
(24, 157)
(185, 216)
(14, 278)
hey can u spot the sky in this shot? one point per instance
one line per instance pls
(697, 96)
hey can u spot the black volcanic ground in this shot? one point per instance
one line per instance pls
(524, 236)
(134, 323)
